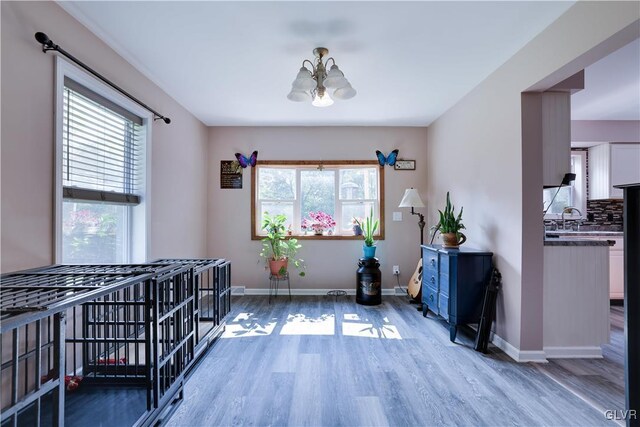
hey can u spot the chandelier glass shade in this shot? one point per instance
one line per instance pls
(314, 84)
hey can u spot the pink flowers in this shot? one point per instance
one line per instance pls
(318, 222)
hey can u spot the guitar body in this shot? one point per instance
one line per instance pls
(414, 288)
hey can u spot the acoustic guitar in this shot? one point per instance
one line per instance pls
(414, 288)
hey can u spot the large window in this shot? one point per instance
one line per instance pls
(344, 190)
(574, 195)
(101, 178)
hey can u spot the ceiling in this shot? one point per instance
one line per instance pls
(232, 63)
(611, 87)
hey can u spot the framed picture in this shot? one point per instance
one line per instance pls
(405, 165)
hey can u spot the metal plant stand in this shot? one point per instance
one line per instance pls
(274, 283)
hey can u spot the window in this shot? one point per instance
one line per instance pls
(572, 195)
(100, 178)
(341, 189)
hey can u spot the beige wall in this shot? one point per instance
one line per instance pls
(331, 264)
(495, 177)
(178, 184)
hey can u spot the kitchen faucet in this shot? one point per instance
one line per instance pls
(569, 210)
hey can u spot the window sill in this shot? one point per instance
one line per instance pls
(314, 237)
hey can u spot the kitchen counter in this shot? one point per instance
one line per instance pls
(572, 233)
(568, 241)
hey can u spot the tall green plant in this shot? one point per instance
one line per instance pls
(449, 222)
(276, 246)
(369, 228)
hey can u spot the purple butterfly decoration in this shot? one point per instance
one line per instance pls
(389, 160)
(244, 161)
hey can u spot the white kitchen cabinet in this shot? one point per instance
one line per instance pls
(616, 270)
(610, 165)
(556, 137)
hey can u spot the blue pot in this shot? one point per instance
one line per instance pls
(369, 251)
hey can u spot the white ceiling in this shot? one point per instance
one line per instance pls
(232, 63)
(611, 87)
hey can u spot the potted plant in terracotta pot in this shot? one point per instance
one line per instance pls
(450, 226)
(278, 249)
(369, 228)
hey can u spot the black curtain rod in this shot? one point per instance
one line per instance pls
(47, 45)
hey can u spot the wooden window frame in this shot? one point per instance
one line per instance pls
(328, 163)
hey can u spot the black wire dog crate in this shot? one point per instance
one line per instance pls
(93, 340)
(213, 286)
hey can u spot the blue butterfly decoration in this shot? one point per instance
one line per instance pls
(389, 160)
(244, 161)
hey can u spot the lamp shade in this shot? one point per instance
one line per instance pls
(303, 80)
(411, 199)
(335, 78)
(322, 100)
(344, 93)
(298, 96)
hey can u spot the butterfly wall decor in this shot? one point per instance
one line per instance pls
(244, 161)
(388, 160)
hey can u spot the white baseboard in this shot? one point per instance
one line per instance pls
(537, 356)
(298, 291)
(400, 292)
(589, 352)
(237, 290)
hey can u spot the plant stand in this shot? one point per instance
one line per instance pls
(274, 282)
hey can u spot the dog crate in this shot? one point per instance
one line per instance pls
(213, 287)
(95, 340)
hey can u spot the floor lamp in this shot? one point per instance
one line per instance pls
(411, 199)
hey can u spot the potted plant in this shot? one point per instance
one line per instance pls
(450, 226)
(369, 228)
(318, 222)
(278, 249)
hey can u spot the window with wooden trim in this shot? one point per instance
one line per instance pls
(343, 189)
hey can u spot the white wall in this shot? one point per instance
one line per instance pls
(331, 264)
(179, 150)
(600, 131)
(492, 174)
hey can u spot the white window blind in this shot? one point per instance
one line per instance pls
(103, 151)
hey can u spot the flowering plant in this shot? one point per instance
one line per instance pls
(318, 222)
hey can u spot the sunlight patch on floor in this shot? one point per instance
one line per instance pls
(368, 330)
(300, 324)
(247, 325)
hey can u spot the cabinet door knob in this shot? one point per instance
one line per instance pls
(431, 297)
(433, 279)
(433, 262)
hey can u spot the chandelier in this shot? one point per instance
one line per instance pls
(314, 84)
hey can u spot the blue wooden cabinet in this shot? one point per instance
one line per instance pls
(453, 282)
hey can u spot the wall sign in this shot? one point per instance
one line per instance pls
(230, 174)
(405, 165)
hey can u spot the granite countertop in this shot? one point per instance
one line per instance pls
(577, 242)
(595, 233)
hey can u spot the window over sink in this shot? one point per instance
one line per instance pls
(574, 195)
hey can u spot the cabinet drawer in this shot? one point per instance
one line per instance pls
(444, 264)
(430, 261)
(430, 278)
(430, 298)
(444, 283)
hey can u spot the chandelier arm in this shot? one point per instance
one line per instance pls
(326, 64)
(313, 69)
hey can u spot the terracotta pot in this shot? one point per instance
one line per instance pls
(453, 240)
(276, 266)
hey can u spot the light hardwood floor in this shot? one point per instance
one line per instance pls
(322, 361)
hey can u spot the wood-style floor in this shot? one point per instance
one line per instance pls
(318, 361)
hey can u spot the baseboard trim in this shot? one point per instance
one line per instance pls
(521, 356)
(589, 352)
(237, 290)
(310, 292)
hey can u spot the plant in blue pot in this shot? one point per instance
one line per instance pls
(369, 227)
